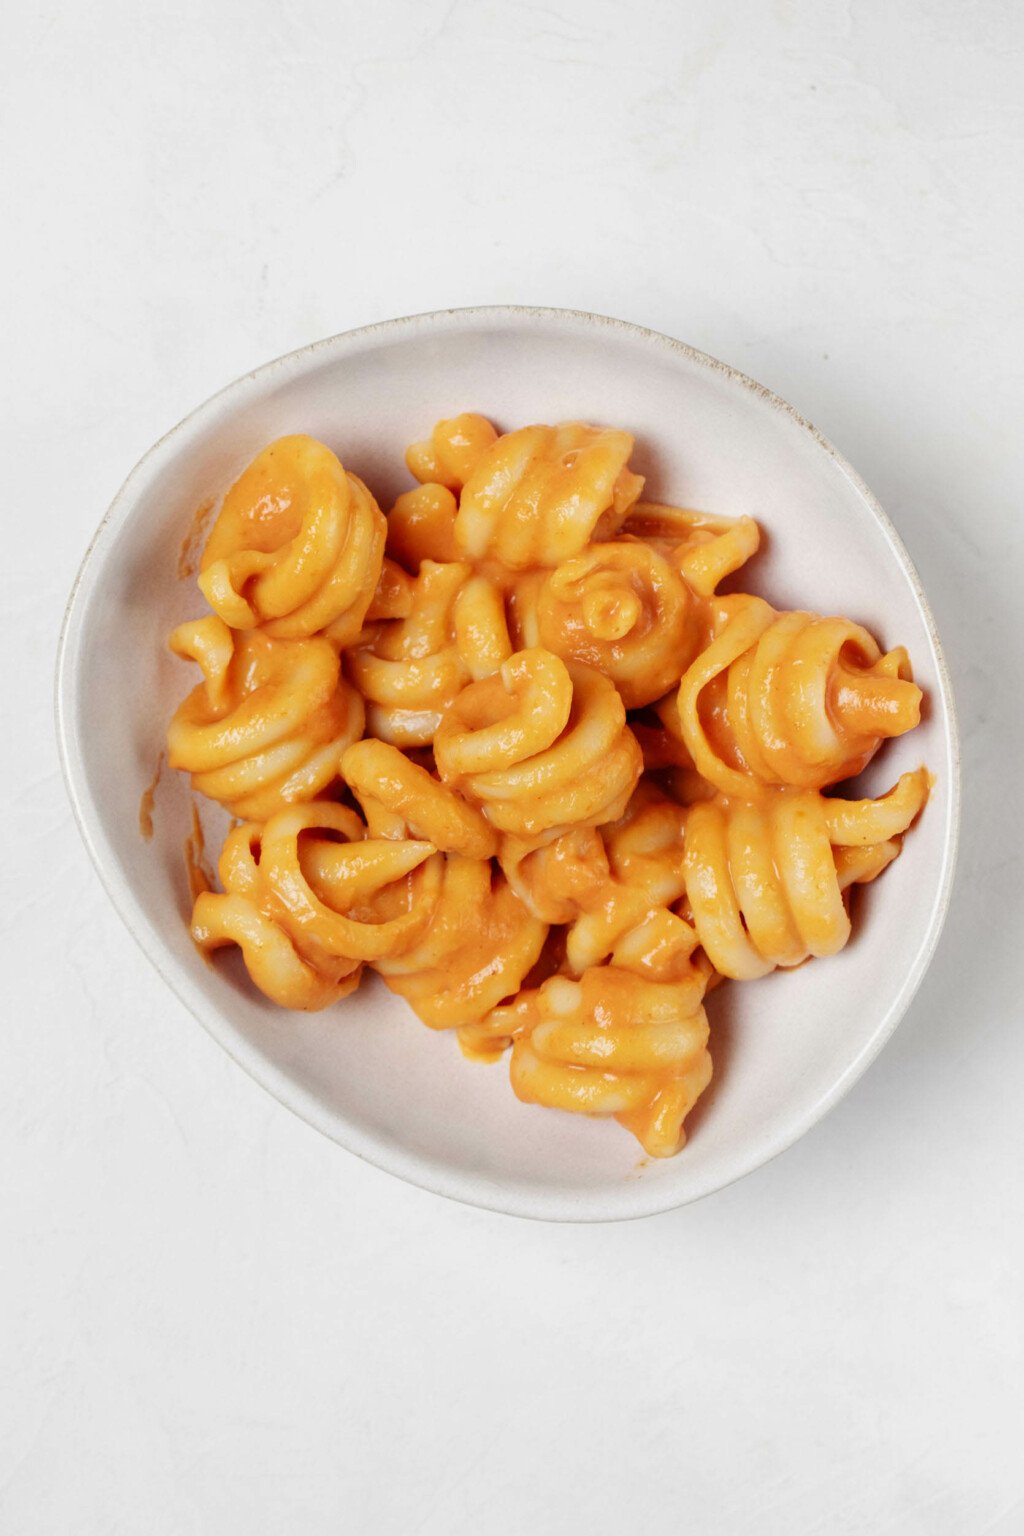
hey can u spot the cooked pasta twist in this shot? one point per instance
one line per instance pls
(307, 909)
(401, 799)
(365, 899)
(645, 846)
(452, 451)
(393, 595)
(573, 876)
(703, 547)
(267, 726)
(538, 495)
(271, 956)
(553, 875)
(612, 1043)
(790, 698)
(666, 756)
(410, 669)
(421, 526)
(480, 944)
(765, 880)
(621, 608)
(539, 745)
(628, 918)
(297, 546)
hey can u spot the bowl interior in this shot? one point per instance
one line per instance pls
(367, 1072)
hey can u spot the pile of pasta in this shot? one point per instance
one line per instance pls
(510, 747)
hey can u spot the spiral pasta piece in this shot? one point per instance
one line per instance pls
(393, 594)
(624, 926)
(480, 944)
(553, 876)
(274, 960)
(538, 495)
(267, 726)
(645, 846)
(452, 451)
(628, 918)
(765, 879)
(365, 899)
(400, 798)
(308, 899)
(297, 546)
(271, 958)
(421, 526)
(409, 670)
(615, 888)
(666, 756)
(613, 1044)
(621, 608)
(703, 547)
(791, 699)
(539, 745)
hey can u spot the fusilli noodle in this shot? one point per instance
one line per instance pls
(297, 546)
(539, 745)
(401, 799)
(267, 726)
(622, 608)
(307, 910)
(410, 669)
(765, 879)
(452, 451)
(790, 698)
(421, 526)
(538, 495)
(480, 945)
(612, 1043)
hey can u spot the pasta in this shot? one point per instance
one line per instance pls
(636, 608)
(268, 724)
(613, 1044)
(791, 699)
(306, 915)
(765, 880)
(627, 917)
(551, 874)
(421, 526)
(349, 899)
(393, 594)
(480, 944)
(452, 451)
(622, 608)
(705, 549)
(538, 495)
(399, 798)
(297, 546)
(539, 745)
(512, 749)
(410, 669)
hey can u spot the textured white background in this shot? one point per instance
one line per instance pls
(212, 1320)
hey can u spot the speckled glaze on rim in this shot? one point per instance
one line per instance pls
(621, 1199)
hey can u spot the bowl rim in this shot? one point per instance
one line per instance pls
(628, 1200)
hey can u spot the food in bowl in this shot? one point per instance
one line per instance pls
(511, 747)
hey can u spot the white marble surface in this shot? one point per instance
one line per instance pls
(213, 1320)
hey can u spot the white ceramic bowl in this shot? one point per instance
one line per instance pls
(367, 1073)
